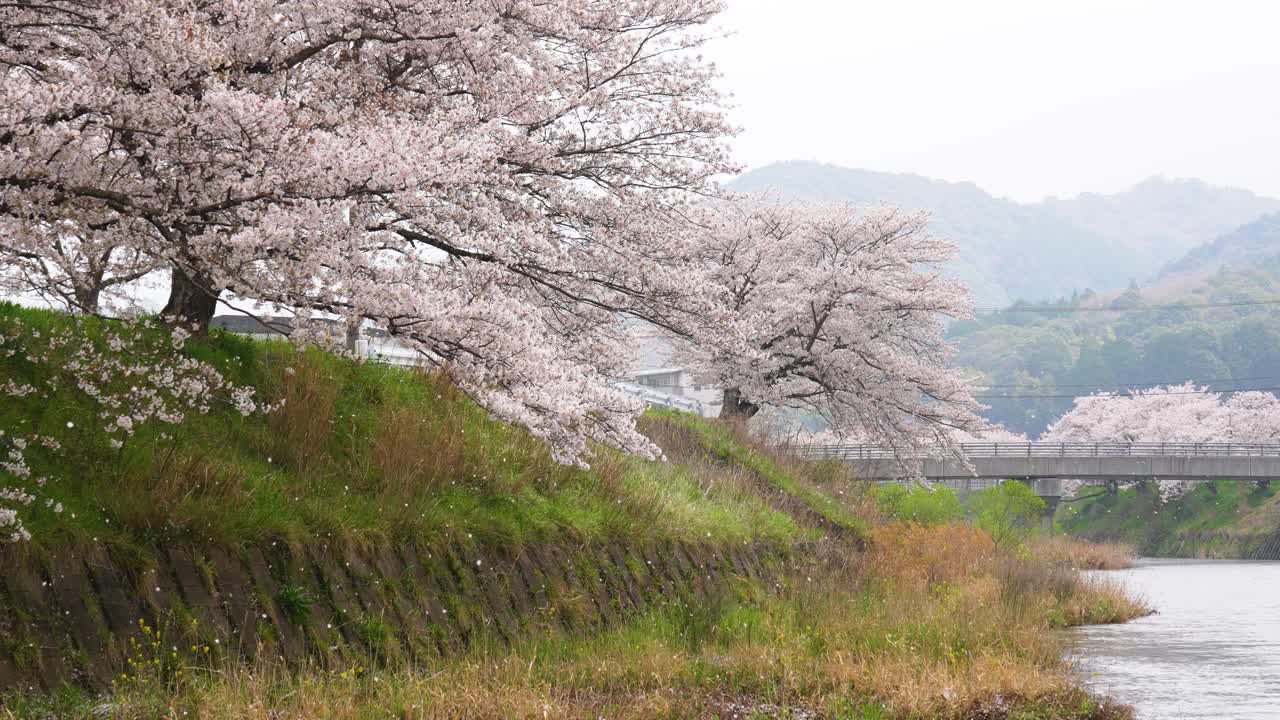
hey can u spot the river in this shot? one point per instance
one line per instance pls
(1212, 651)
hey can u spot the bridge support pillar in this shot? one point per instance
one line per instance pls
(1050, 491)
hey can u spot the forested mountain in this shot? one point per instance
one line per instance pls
(1011, 251)
(1007, 250)
(1034, 362)
(1258, 241)
(1163, 218)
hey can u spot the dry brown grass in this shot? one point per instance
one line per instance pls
(302, 426)
(1082, 554)
(1104, 601)
(184, 480)
(621, 678)
(928, 623)
(909, 552)
(412, 452)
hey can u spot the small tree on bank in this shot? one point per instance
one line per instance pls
(1008, 512)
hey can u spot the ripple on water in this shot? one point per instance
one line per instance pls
(1212, 651)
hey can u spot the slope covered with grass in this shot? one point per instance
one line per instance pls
(358, 452)
(883, 619)
(1224, 519)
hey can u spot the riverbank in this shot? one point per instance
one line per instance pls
(1223, 520)
(927, 623)
(302, 562)
(1076, 554)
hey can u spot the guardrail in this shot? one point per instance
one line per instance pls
(657, 398)
(1041, 449)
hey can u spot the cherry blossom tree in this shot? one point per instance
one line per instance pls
(1252, 417)
(841, 309)
(1177, 413)
(72, 262)
(495, 183)
(1184, 413)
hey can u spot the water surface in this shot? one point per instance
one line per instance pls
(1212, 651)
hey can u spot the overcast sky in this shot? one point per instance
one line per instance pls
(1026, 98)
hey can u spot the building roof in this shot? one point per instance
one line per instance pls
(655, 371)
(279, 325)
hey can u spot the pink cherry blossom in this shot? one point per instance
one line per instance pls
(497, 184)
(1174, 414)
(840, 311)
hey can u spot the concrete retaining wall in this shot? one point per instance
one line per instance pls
(81, 617)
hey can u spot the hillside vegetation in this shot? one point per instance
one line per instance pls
(1055, 354)
(1163, 218)
(358, 452)
(1224, 519)
(1257, 242)
(869, 618)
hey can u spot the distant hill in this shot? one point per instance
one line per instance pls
(1008, 251)
(1251, 244)
(1034, 362)
(1163, 218)
(1012, 251)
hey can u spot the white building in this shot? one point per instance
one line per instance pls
(371, 343)
(675, 387)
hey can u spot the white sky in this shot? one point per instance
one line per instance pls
(1026, 98)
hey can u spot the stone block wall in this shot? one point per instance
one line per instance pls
(82, 617)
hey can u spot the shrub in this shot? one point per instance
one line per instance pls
(923, 504)
(1008, 512)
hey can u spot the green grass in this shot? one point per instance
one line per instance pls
(1237, 511)
(360, 452)
(837, 640)
(721, 442)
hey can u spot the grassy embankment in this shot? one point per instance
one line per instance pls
(360, 452)
(885, 619)
(1228, 519)
(929, 623)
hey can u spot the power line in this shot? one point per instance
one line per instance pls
(1191, 306)
(659, 386)
(1065, 397)
(1128, 384)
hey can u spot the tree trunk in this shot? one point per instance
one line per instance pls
(353, 336)
(192, 301)
(736, 406)
(88, 299)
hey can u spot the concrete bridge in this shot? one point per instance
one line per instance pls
(1045, 465)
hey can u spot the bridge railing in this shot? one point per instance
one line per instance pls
(1043, 449)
